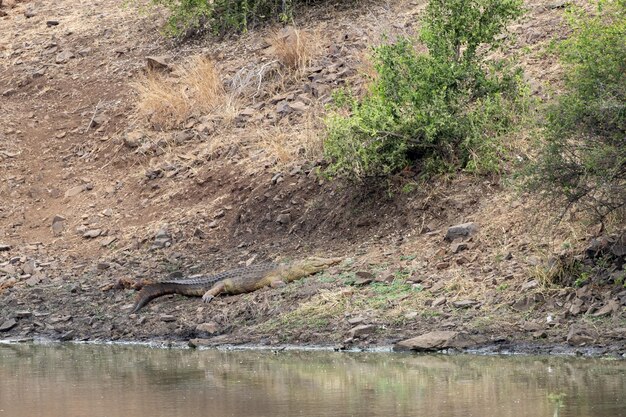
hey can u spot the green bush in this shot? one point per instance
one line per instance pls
(583, 159)
(220, 16)
(444, 109)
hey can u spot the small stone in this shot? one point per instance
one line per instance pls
(133, 139)
(74, 191)
(530, 285)
(439, 301)
(69, 335)
(578, 336)
(23, 314)
(107, 212)
(160, 62)
(295, 171)
(51, 23)
(4, 248)
(63, 57)
(58, 218)
(461, 231)
(283, 218)
(209, 328)
(107, 241)
(458, 247)
(298, 106)
(8, 325)
(362, 330)
(29, 267)
(465, 303)
(57, 228)
(34, 280)
(442, 265)
(611, 307)
(356, 320)
(93, 233)
(167, 318)
(278, 176)
(101, 266)
(29, 13)
(283, 108)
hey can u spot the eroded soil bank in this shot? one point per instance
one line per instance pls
(94, 199)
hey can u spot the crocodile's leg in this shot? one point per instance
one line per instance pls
(213, 292)
(277, 283)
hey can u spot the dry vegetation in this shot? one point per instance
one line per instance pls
(197, 89)
(295, 49)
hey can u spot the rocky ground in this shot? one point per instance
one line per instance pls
(95, 197)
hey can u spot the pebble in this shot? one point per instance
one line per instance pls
(8, 325)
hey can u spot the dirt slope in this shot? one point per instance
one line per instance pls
(91, 194)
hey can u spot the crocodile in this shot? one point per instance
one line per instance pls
(235, 281)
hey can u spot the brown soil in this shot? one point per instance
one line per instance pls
(67, 111)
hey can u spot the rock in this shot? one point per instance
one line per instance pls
(9, 92)
(439, 301)
(277, 178)
(162, 238)
(209, 328)
(458, 247)
(57, 228)
(439, 340)
(74, 191)
(133, 139)
(461, 231)
(63, 57)
(4, 247)
(167, 318)
(29, 13)
(107, 241)
(356, 320)
(363, 278)
(69, 335)
(579, 336)
(8, 325)
(465, 303)
(283, 218)
(58, 218)
(107, 212)
(159, 63)
(560, 4)
(611, 307)
(101, 266)
(442, 265)
(531, 326)
(93, 233)
(362, 330)
(530, 285)
(283, 108)
(29, 267)
(34, 280)
(51, 23)
(23, 314)
(298, 106)
(523, 304)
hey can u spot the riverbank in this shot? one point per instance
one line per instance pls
(98, 195)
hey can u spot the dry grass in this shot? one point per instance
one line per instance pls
(295, 49)
(167, 103)
(203, 81)
(289, 143)
(162, 102)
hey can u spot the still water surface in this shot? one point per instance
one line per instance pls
(131, 381)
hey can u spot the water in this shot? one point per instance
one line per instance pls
(131, 381)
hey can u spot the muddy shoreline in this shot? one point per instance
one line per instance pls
(615, 352)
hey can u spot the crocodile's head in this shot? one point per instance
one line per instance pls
(314, 264)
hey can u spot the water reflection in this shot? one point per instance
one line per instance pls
(71, 380)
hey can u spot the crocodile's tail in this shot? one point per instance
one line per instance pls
(152, 291)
